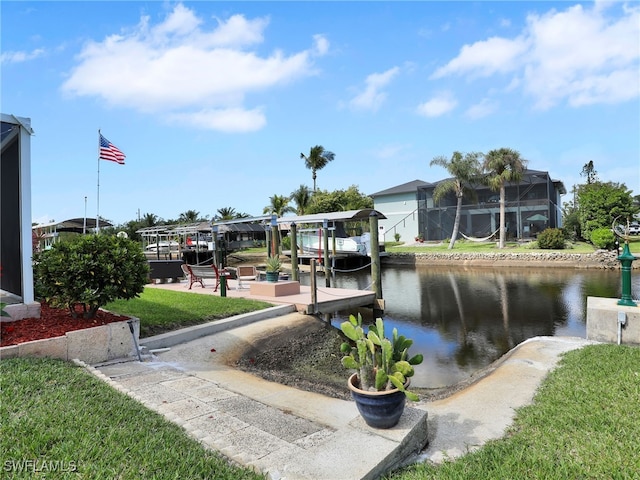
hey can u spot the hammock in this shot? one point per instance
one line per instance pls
(475, 239)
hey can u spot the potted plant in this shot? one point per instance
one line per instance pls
(273, 267)
(383, 368)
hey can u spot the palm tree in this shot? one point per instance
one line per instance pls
(502, 166)
(316, 160)
(149, 220)
(302, 198)
(190, 216)
(226, 213)
(464, 169)
(279, 205)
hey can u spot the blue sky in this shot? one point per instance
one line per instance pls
(213, 102)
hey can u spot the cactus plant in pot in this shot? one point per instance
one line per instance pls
(272, 268)
(382, 367)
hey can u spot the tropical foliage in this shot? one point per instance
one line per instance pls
(339, 200)
(191, 216)
(302, 198)
(600, 204)
(464, 169)
(503, 166)
(317, 159)
(279, 205)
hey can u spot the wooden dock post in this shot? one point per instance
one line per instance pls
(314, 286)
(376, 278)
(294, 252)
(325, 249)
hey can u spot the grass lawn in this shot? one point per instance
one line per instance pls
(164, 310)
(63, 422)
(584, 423)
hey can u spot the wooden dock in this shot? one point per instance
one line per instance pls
(329, 300)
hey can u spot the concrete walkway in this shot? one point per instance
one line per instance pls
(292, 434)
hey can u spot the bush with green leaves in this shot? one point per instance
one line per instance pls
(285, 243)
(603, 238)
(551, 238)
(86, 273)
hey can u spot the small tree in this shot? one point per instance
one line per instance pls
(89, 272)
(600, 203)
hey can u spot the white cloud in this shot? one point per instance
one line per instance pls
(482, 109)
(181, 68)
(229, 120)
(579, 55)
(438, 105)
(371, 98)
(485, 58)
(321, 45)
(21, 56)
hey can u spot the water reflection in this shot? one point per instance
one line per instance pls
(464, 319)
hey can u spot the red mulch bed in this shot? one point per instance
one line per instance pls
(53, 322)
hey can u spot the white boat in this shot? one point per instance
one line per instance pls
(311, 242)
(163, 247)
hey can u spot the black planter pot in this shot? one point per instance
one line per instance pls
(378, 409)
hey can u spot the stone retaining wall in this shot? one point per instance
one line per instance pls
(600, 259)
(91, 345)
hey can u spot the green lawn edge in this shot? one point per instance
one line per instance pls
(161, 310)
(59, 421)
(583, 423)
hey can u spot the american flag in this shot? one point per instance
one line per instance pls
(108, 151)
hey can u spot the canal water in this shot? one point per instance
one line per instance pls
(462, 319)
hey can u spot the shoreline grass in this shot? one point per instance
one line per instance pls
(583, 423)
(161, 311)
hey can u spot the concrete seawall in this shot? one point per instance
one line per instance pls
(598, 260)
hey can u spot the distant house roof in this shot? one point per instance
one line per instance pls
(404, 188)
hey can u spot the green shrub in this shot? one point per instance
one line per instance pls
(285, 243)
(603, 238)
(89, 272)
(396, 236)
(551, 238)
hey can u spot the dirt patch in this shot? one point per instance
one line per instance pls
(304, 356)
(308, 357)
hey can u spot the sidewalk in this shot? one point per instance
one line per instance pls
(292, 434)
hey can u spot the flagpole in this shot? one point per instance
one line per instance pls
(98, 202)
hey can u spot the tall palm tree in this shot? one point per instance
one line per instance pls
(279, 205)
(316, 160)
(302, 198)
(463, 169)
(502, 166)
